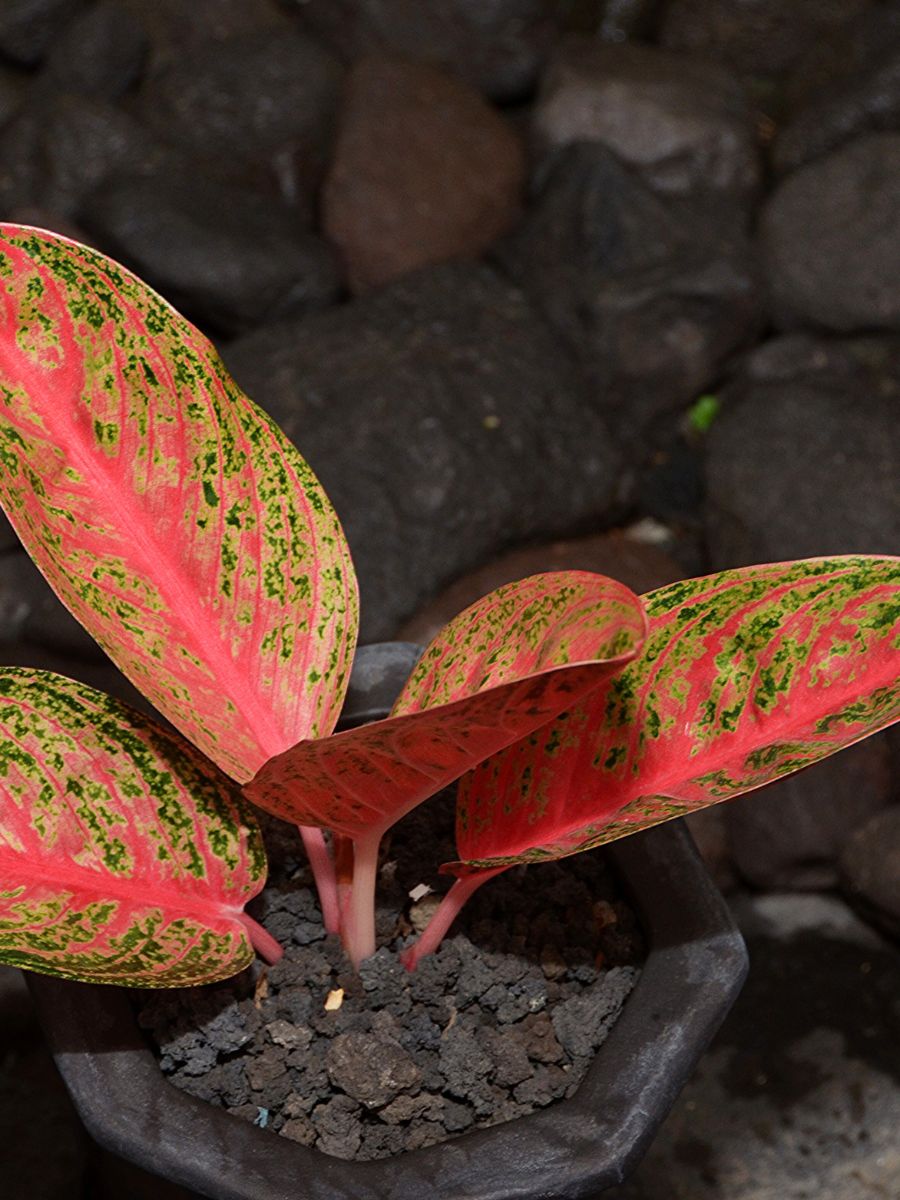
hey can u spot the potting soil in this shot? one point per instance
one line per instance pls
(504, 1019)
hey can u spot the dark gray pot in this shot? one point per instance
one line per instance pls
(570, 1151)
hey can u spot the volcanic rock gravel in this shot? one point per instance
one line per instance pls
(504, 1019)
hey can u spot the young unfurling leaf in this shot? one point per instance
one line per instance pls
(500, 669)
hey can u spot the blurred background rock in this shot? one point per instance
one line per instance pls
(534, 284)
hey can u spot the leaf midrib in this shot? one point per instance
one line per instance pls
(131, 520)
(76, 878)
(668, 786)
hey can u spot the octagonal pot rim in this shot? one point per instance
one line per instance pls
(571, 1150)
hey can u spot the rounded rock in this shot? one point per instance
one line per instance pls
(445, 422)
(246, 97)
(28, 27)
(802, 459)
(758, 37)
(682, 122)
(372, 1070)
(788, 837)
(100, 53)
(423, 170)
(649, 294)
(829, 239)
(846, 84)
(870, 869)
(227, 256)
(498, 47)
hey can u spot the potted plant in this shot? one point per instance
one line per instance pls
(695, 965)
(190, 538)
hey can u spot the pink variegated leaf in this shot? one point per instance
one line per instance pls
(745, 676)
(166, 510)
(500, 669)
(125, 856)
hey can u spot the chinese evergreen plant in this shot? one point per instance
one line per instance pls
(184, 531)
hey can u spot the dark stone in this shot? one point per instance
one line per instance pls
(609, 20)
(382, 1141)
(27, 27)
(228, 257)
(382, 977)
(267, 1069)
(464, 1062)
(420, 1031)
(231, 1027)
(407, 1108)
(337, 1127)
(198, 1064)
(457, 1117)
(527, 996)
(13, 86)
(840, 53)
(650, 295)
(443, 420)
(373, 1070)
(421, 1135)
(637, 564)
(61, 147)
(307, 965)
(509, 1060)
(582, 1023)
(870, 869)
(542, 1087)
(498, 47)
(309, 1075)
(802, 460)
(100, 53)
(846, 85)
(175, 28)
(755, 37)
(475, 979)
(231, 1083)
(299, 1129)
(541, 1042)
(799, 1093)
(29, 609)
(789, 836)
(205, 1024)
(829, 239)
(270, 1077)
(423, 170)
(248, 98)
(683, 122)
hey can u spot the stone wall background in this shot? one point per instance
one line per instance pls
(482, 261)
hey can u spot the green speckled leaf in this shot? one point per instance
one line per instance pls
(167, 511)
(125, 857)
(745, 676)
